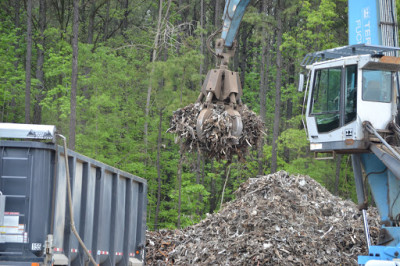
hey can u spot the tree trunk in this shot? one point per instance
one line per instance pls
(9, 114)
(337, 176)
(158, 171)
(92, 15)
(290, 70)
(28, 63)
(202, 39)
(17, 21)
(153, 59)
(179, 36)
(213, 198)
(182, 86)
(178, 223)
(218, 14)
(17, 6)
(227, 172)
(74, 78)
(107, 21)
(243, 55)
(37, 115)
(202, 182)
(126, 12)
(59, 7)
(264, 70)
(198, 176)
(289, 106)
(277, 114)
(82, 11)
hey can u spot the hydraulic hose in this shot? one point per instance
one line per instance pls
(209, 41)
(71, 213)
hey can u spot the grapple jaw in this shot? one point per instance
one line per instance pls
(221, 88)
(233, 120)
(237, 124)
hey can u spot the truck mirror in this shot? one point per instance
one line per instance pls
(301, 83)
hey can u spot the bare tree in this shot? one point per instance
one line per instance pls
(264, 70)
(74, 78)
(153, 59)
(28, 63)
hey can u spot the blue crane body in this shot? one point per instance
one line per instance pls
(352, 108)
(364, 27)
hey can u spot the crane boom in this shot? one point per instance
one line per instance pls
(222, 86)
(233, 14)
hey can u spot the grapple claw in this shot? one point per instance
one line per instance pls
(234, 117)
(237, 124)
(203, 116)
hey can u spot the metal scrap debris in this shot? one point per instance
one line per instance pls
(278, 219)
(218, 142)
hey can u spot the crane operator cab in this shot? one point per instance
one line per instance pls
(347, 88)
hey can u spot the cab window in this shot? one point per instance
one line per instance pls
(326, 98)
(377, 86)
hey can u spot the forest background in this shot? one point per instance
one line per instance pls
(110, 73)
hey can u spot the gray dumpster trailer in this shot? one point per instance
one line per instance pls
(108, 208)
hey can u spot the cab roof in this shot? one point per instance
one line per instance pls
(350, 50)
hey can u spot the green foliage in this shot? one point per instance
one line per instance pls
(294, 139)
(113, 81)
(250, 95)
(12, 73)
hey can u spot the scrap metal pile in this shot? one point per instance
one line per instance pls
(218, 142)
(278, 219)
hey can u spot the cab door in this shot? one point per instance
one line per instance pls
(332, 101)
